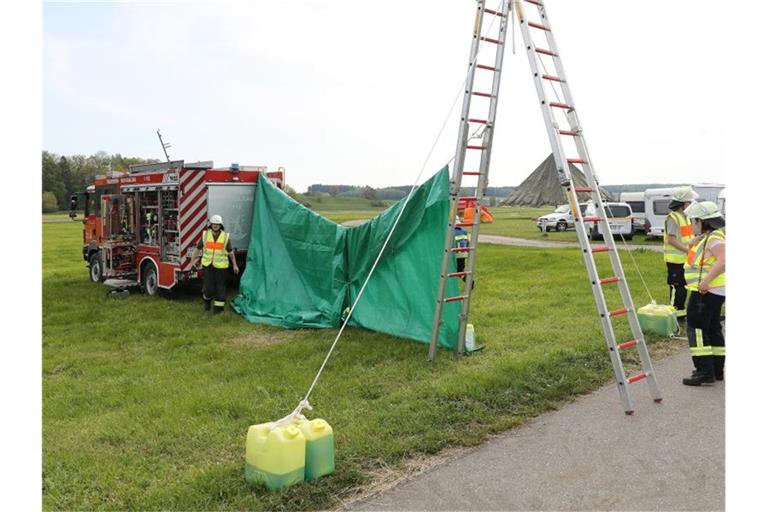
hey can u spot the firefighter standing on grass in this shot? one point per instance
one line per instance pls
(217, 254)
(678, 238)
(705, 278)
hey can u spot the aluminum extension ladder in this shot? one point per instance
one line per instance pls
(553, 111)
(462, 146)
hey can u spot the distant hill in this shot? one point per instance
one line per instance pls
(398, 192)
(640, 187)
(388, 193)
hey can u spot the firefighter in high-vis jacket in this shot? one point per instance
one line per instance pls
(217, 254)
(705, 280)
(678, 238)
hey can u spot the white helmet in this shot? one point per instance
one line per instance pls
(685, 195)
(705, 210)
(216, 219)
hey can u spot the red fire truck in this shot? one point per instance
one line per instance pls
(142, 225)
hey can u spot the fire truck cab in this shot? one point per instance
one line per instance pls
(142, 225)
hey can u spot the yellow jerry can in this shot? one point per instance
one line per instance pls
(274, 457)
(319, 455)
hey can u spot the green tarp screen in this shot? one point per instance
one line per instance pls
(304, 270)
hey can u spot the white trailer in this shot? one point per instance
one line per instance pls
(636, 201)
(657, 203)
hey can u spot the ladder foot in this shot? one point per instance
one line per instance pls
(657, 400)
(629, 413)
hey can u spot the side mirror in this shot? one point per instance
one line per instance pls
(73, 207)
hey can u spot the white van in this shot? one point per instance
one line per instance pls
(619, 220)
(657, 204)
(636, 200)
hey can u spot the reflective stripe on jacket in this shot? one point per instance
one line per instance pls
(697, 266)
(460, 239)
(215, 251)
(671, 253)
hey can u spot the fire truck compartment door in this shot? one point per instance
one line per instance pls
(234, 202)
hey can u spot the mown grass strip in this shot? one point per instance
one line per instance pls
(146, 401)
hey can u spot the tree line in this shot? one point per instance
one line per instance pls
(64, 175)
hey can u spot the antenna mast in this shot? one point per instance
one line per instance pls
(165, 145)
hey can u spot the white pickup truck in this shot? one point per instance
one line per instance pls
(559, 220)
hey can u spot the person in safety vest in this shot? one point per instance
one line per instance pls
(217, 254)
(678, 238)
(460, 240)
(705, 279)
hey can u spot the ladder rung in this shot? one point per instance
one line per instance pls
(484, 94)
(467, 198)
(464, 224)
(635, 378)
(495, 13)
(538, 25)
(489, 40)
(534, 2)
(583, 189)
(489, 68)
(560, 105)
(608, 280)
(600, 248)
(617, 312)
(546, 52)
(478, 121)
(591, 218)
(459, 274)
(627, 344)
(568, 132)
(576, 161)
(472, 173)
(475, 147)
(462, 249)
(553, 78)
(454, 299)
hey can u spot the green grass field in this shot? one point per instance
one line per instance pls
(146, 401)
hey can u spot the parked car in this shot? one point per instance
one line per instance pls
(559, 220)
(636, 200)
(619, 220)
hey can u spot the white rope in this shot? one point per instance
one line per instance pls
(634, 262)
(304, 404)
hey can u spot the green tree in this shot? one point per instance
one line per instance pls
(369, 193)
(50, 203)
(52, 180)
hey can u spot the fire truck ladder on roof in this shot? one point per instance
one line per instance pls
(553, 112)
(464, 144)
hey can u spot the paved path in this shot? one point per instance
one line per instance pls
(590, 456)
(545, 244)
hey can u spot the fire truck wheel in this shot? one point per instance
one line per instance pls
(94, 268)
(149, 279)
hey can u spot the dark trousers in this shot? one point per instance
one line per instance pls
(705, 334)
(677, 291)
(215, 286)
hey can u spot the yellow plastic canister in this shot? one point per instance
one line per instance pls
(274, 457)
(320, 454)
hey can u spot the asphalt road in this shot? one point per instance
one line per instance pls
(590, 456)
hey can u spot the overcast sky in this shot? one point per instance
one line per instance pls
(356, 92)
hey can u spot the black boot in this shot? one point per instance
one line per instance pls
(206, 305)
(218, 309)
(698, 378)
